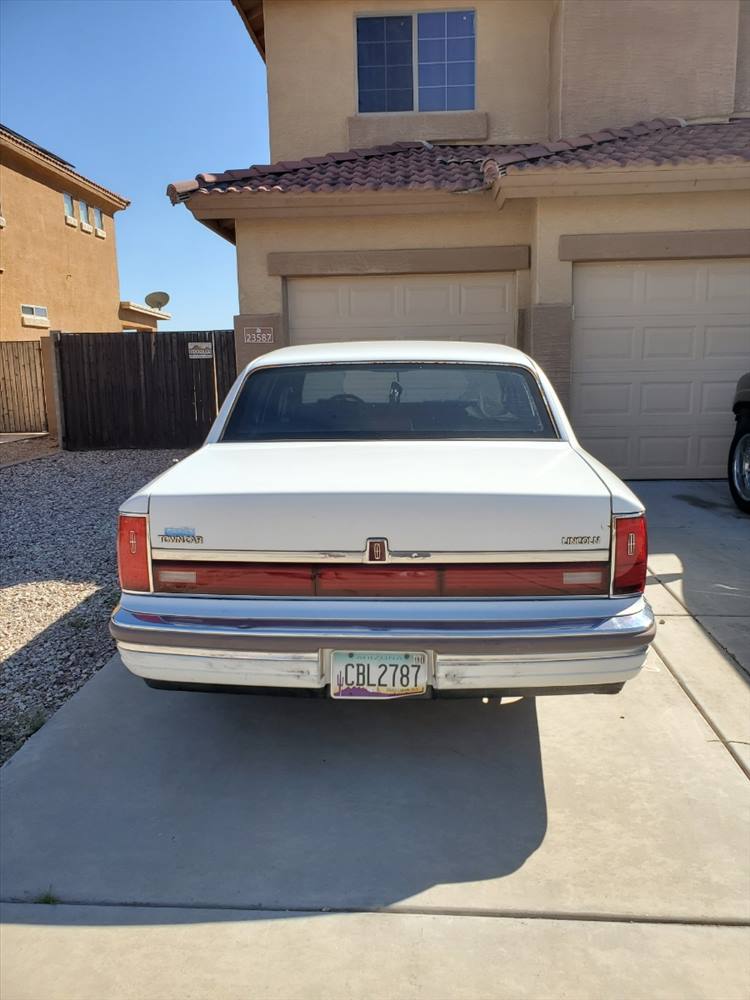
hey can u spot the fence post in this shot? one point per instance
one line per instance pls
(53, 386)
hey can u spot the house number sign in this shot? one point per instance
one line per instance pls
(258, 334)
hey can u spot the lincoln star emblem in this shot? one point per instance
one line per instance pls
(377, 550)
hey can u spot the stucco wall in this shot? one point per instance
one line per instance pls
(260, 292)
(552, 279)
(47, 263)
(622, 62)
(543, 68)
(311, 68)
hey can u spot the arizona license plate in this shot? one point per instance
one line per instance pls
(362, 674)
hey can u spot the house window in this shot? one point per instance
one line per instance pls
(98, 220)
(83, 211)
(70, 209)
(34, 316)
(444, 54)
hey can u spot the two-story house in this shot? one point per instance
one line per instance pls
(570, 176)
(58, 257)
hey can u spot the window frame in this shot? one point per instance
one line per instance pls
(68, 199)
(98, 218)
(84, 204)
(414, 15)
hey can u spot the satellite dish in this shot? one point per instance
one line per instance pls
(157, 300)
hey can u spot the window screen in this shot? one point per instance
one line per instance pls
(385, 401)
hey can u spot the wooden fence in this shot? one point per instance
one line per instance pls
(142, 389)
(22, 405)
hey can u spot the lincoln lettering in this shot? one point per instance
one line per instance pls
(581, 539)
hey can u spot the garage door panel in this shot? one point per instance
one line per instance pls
(423, 305)
(670, 342)
(603, 397)
(598, 345)
(483, 300)
(445, 331)
(674, 398)
(672, 287)
(372, 303)
(729, 286)
(717, 397)
(679, 339)
(728, 342)
(476, 307)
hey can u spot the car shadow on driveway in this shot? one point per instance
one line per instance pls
(130, 795)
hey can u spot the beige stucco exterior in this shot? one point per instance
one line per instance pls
(263, 293)
(539, 223)
(53, 260)
(312, 90)
(48, 263)
(624, 62)
(544, 68)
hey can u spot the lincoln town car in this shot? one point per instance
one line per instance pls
(395, 519)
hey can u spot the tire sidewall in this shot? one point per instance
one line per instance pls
(743, 428)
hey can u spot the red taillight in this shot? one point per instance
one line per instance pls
(631, 553)
(132, 552)
(299, 580)
(542, 580)
(377, 581)
(256, 579)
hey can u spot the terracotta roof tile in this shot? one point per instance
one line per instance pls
(422, 166)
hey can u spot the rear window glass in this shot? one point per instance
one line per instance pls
(389, 402)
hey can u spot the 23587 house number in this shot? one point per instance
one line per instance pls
(259, 335)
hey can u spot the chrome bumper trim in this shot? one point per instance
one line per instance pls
(509, 628)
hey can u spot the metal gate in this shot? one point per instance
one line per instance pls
(21, 387)
(142, 389)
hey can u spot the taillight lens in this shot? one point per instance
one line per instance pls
(377, 581)
(631, 553)
(132, 552)
(250, 579)
(279, 579)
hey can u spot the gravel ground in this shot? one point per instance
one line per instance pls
(58, 576)
(22, 449)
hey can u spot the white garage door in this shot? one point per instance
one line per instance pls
(657, 351)
(478, 307)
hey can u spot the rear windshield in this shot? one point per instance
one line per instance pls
(375, 402)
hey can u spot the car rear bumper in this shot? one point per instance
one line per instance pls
(474, 646)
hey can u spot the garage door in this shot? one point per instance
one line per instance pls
(657, 351)
(424, 306)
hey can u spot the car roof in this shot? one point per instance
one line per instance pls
(364, 351)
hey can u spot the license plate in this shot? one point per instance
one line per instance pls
(361, 674)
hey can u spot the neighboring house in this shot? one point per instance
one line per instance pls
(422, 188)
(58, 261)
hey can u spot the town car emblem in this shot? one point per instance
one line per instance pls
(181, 535)
(376, 550)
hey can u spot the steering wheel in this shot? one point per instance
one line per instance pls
(346, 397)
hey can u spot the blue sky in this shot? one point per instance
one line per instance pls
(138, 93)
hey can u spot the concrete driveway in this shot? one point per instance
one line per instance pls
(214, 846)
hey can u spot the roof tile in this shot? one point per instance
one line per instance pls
(422, 166)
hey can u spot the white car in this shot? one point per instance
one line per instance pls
(386, 520)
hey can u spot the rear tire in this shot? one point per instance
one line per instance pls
(738, 467)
